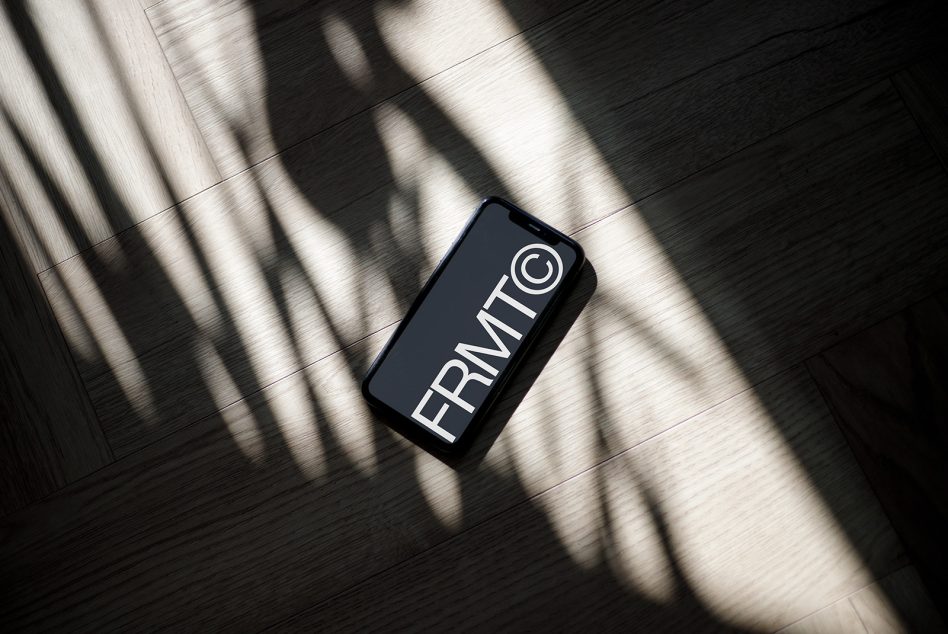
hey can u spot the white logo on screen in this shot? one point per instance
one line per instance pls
(534, 285)
(544, 274)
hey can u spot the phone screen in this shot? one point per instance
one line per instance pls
(491, 292)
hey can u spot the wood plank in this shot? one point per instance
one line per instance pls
(655, 113)
(896, 603)
(299, 487)
(913, 608)
(295, 495)
(886, 386)
(262, 77)
(709, 526)
(96, 135)
(838, 617)
(924, 87)
(241, 268)
(382, 194)
(49, 434)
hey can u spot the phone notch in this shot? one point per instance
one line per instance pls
(534, 227)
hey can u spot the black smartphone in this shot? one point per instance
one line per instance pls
(470, 325)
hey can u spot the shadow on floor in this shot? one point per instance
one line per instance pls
(259, 537)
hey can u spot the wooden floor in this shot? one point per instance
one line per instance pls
(215, 212)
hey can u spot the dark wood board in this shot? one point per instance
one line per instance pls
(924, 87)
(299, 487)
(888, 388)
(49, 434)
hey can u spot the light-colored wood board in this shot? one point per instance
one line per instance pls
(655, 112)
(835, 619)
(711, 525)
(897, 603)
(250, 272)
(96, 134)
(49, 434)
(887, 388)
(641, 357)
(250, 515)
(263, 76)
(295, 495)
(366, 189)
(924, 87)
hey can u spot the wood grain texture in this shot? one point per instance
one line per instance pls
(707, 527)
(895, 604)
(904, 590)
(836, 618)
(924, 87)
(751, 515)
(887, 388)
(49, 434)
(263, 76)
(192, 280)
(381, 194)
(293, 496)
(656, 112)
(96, 135)
(299, 487)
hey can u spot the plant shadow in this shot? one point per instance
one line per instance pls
(330, 510)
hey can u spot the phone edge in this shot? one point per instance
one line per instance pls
(405, 425)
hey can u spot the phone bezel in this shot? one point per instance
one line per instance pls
(409, 428)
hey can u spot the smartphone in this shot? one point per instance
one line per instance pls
(470, 325)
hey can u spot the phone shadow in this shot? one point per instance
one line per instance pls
(526, 374)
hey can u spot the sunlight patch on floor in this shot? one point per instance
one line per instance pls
(442, 491)
(344, 45)
(423, 173)
(237, 416)
(651, 345)
(84, 298)
(233, 77)
(719, 505)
